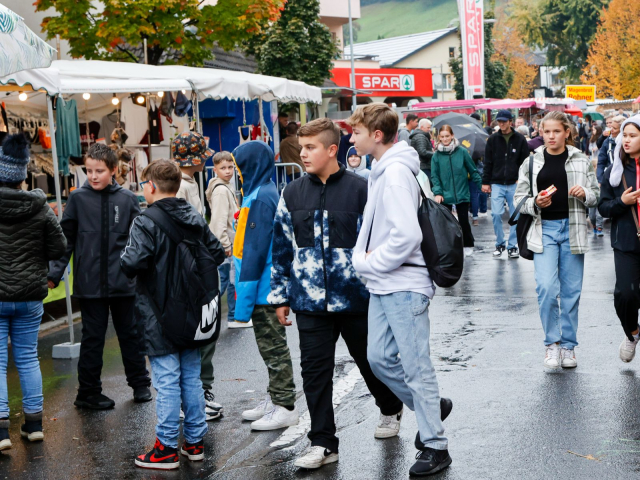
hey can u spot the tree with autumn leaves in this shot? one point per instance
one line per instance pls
(177, 31)
(613, 64)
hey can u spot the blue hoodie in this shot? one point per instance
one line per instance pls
(254, 233)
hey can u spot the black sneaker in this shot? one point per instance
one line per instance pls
(5, 442)
(160, 457)
(513, 253)
(212, 409)
(32, 428)
(446, 405)
(498, 252)
(142, 395)
(97, 401)
(193, 451)
(430, 461)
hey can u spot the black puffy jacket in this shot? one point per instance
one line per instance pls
(30, 236)
(147, 255)
(421, 142)
(96, 224)
(501, 160)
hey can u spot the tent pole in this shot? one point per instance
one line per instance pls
(56, 177)
(276, 127)
(196, 111)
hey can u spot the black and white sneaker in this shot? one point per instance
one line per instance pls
(430, 461)
(193, 451)
(315, 457)
(212, 409)
(513, 253)
(498, 252)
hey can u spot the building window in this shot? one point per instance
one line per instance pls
(452, 52)
(441, 82)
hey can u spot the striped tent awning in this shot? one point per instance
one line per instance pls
(20, 47)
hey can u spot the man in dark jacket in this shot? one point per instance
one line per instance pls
(96, 223)
(421, 141)
(605, 155)
(505, 151)
(316, 227)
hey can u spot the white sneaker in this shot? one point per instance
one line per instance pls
(260, 411)
(482, 215)
(568, 356)
(315, 457)
(181, 414)
(552, 357)
(389, 425)
(468, 251)
(278, 417)
(236, 324)
(628, 350)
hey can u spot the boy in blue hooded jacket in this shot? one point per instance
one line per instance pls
(252, 257)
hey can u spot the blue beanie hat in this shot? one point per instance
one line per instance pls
(14, 158)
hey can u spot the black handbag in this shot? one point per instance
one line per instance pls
(523, 221)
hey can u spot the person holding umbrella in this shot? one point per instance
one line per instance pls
(451, 166)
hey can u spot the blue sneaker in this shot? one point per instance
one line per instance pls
(599, 232)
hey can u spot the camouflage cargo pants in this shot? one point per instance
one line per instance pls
(272, 344)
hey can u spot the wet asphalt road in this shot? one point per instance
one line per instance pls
(511, 420)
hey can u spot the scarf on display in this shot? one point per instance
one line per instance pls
(617, 168)
(448, 148)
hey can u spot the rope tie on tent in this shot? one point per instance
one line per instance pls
(244, 114)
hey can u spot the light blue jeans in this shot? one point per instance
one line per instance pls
(559, 284)
(21, 322)
(398, 352)
(500, 193)
(227, 284)
(176, 377)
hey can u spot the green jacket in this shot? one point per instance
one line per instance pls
(450, 173)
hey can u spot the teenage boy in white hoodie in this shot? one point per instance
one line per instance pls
(390, 237)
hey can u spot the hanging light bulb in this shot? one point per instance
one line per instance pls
(140, 99)
(115, 100)
(184, 92)
(161, 94)
(22, 96)
(86, 96)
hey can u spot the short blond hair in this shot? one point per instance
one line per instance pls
(377, 116)
(327, 131)
(223, 156)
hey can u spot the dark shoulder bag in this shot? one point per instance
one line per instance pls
(522, 220)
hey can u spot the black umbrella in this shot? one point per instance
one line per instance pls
(471, 137)
(452, 119)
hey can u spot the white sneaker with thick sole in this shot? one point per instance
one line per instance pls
(389, 425)
(212, 409)
(552, 357)
(568, 357)
(260, 411)
(5, 444)
(468, 251)
(628, 350)
(315, 457)
(278, 417)
(235, 324)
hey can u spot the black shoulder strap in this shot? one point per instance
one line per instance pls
(165, 223)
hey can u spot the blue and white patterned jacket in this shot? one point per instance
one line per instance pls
(315, 230)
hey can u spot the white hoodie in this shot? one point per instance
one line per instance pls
(392, 205)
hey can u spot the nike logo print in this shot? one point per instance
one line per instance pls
(153, 457)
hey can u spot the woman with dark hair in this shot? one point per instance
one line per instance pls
(619, 202)
(564, 185)
(594, 215)
(451, 167)
(30, 236)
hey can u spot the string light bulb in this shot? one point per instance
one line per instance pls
(86, 96)
(160, 94)
(140, 99)
(184, 92)
(22, 97)
(115, 100)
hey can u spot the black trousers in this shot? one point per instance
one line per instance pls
(626, 295)
(95, 319)
(463, 220)
(318, 337)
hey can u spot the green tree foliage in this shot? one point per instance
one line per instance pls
(345, 32)
(297, 46)
(497, 78)
(177, 31)
(564, 28)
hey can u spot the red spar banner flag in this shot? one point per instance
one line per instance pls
(472, 34)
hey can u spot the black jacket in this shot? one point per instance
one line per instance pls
(30, 236)
(96, 224)
(147, 256)
(502, 161)
(605, 157)
(624, 235)
(421, 142)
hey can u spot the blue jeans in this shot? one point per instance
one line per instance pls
(176, 378)
(21, 321)
(227, 284)
(558, 275)
(596, 219)
(398, 352)
(478, 200)
(500, 193)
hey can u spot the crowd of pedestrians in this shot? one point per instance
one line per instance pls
(340, 248)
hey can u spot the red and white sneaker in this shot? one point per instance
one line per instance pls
(160, 457)
(193, 451)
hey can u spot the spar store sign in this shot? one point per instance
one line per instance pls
(397, 82)
(472, 35)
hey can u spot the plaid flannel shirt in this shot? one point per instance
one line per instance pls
(580, 171)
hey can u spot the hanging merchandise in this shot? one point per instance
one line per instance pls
(155, 129)
(183, 105)
(45, 138)
(166, 106)
(135, 117)
(110, 123)
(119, 137)
(245, 133)
(67, 133)
(94, 134)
